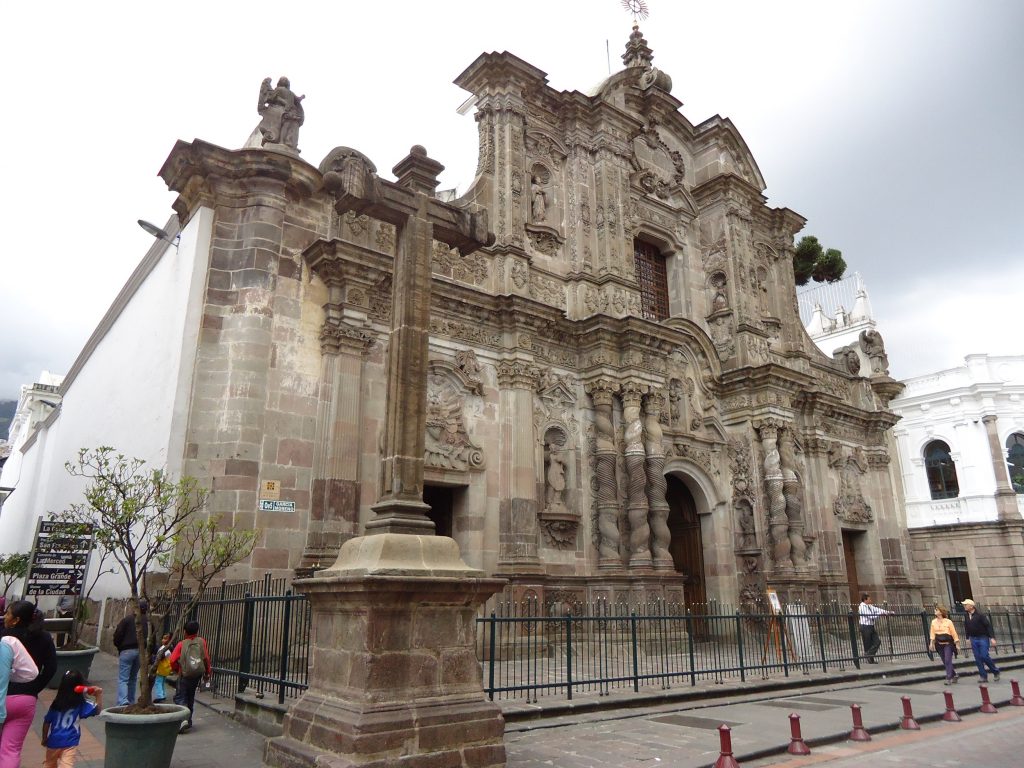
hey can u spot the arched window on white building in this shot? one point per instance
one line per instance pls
(1015, 460)
(941, 471)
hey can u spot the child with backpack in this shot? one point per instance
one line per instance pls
(191, 660)
(61, 729)
(161, 668)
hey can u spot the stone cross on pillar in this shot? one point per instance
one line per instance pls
(420, 218)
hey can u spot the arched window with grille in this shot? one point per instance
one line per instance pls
(941, 471)
(652, 278)
(1015, 460)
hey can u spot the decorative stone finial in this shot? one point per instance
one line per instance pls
(637, 54)
(282, 115)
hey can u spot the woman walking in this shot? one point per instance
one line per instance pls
(944, 639)
(21, 621)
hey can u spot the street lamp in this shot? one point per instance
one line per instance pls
(156, 232)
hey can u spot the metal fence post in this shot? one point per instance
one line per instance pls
(689, 637)
(739, 646)
(1009, 626)
(245, 662)
(285, 640)
(853, 638)
(821, 639)
(568, 654)
(494, 643)
(783, 634)
(636, 651)
(216, 636)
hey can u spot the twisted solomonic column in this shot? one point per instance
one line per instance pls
(778, 523)
(657, 486)
(636, 495)
(792, 491)
(601, 392)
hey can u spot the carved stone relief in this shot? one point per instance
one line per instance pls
(850, 504)
(448, 445)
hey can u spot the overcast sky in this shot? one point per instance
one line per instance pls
(893, 126)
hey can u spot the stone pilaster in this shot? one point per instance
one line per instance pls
(601, 392)
(1006, 498)
(636, 499)
(518, 507)
(251, 317)
(334, 506)
(661, 537)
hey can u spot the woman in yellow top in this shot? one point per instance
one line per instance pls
(944, 639)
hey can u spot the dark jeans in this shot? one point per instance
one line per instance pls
(946, 654)
(185, 693)
(869, 637)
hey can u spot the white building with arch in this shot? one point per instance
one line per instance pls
(961, 448)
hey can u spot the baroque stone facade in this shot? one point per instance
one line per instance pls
(621, 402)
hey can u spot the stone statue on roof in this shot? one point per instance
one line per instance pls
(282, 114)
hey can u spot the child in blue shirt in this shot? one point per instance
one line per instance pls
(61, 730)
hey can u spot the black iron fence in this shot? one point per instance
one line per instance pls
(529, 651)
(258, 635)
(259, 639)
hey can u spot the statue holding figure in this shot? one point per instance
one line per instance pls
(282, 114)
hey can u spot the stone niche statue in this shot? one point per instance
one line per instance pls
(873, 346)
(282, 114)
(554, 473)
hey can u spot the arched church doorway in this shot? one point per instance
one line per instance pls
(686, 546)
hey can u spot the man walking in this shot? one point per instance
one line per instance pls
(979, 633)
(869, 614)
(191, 660)
(127, 643)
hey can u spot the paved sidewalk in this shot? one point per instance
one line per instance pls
(215, 741)
(654, 731)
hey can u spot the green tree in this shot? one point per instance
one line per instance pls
(12, 568)
(812, 262)
(149, 522)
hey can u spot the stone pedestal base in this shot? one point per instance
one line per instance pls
(394, 679)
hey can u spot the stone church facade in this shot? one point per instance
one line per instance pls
(622, 401)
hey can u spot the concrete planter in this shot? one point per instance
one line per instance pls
(80, 660)
(142, 741)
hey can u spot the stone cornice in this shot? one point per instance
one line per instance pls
(204, 174)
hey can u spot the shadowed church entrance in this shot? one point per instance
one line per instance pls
(686, 546)
(441, 500)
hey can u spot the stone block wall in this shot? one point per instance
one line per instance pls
(995, 560)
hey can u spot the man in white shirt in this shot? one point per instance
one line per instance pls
(869, 614)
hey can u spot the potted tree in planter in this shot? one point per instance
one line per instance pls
(150, 523)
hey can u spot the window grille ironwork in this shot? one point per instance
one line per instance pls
(652, 279)
(941, 471)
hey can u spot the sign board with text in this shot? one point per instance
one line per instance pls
(273, 505)
(60, 558)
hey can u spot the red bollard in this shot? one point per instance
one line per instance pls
(908, 723)
(858, 733)
(950, 715)
(986, 703)
(797, 745)
(726, 760)
(1017, 700)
